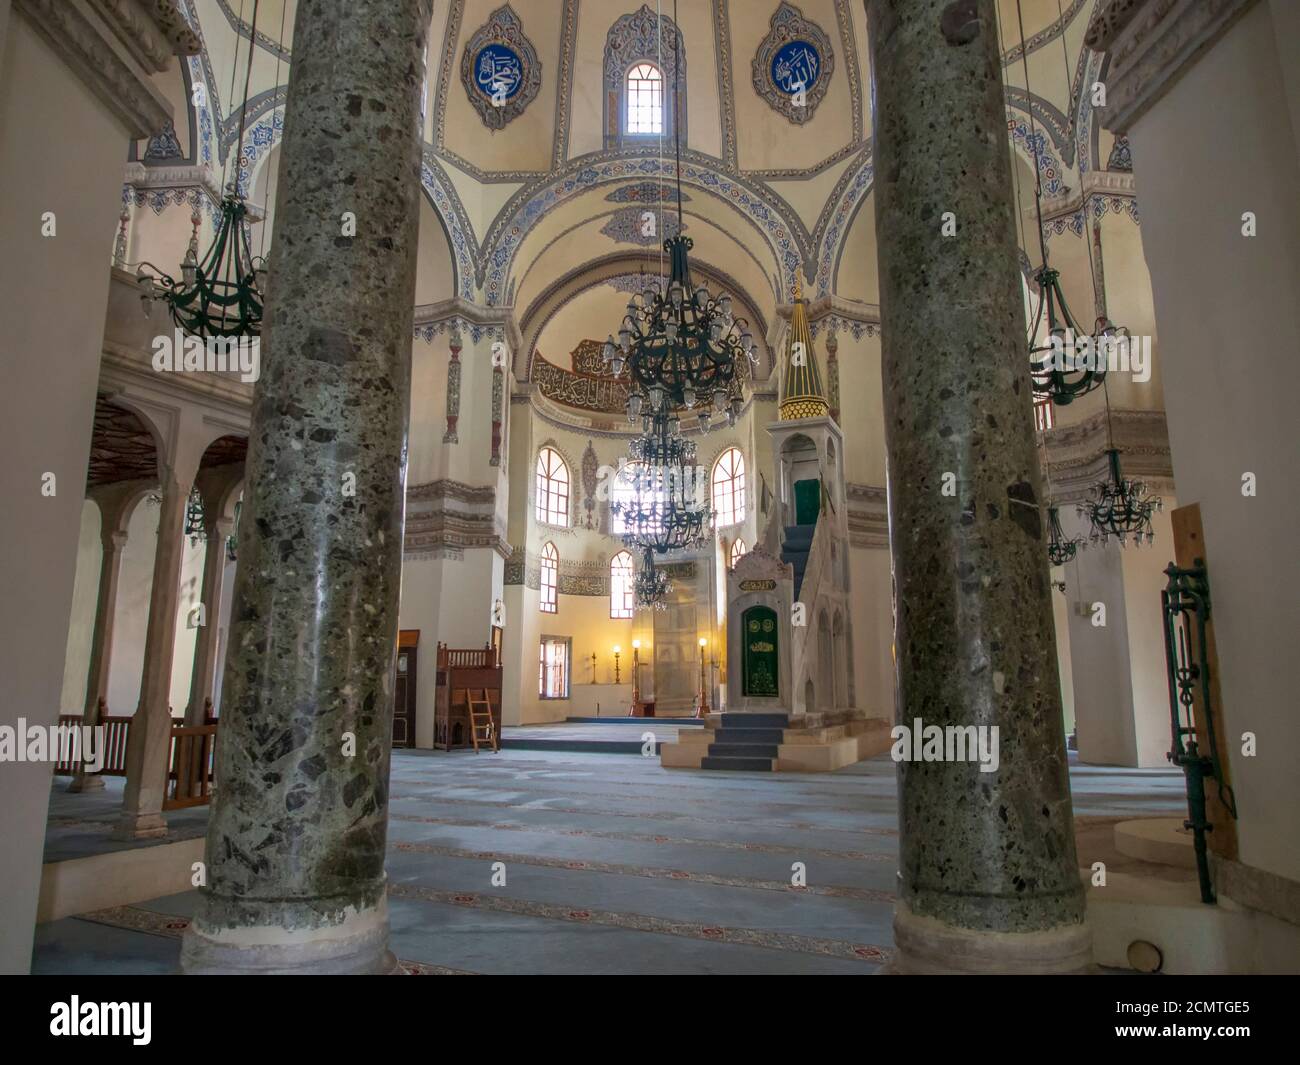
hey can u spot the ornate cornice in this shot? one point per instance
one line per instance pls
(482, 495)
(868, 515)
(1151, 43)
(445, 518)
(1077, 452)
(469, 319)
(84, 39)
(152, 30)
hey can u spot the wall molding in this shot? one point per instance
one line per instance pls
(1151, 43)
(88, 38)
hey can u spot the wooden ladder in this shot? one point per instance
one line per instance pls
(480, 717)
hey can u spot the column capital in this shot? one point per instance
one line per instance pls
(1151, 44)
(113, 540)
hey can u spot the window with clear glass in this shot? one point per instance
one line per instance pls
(621, 585)
(645, 100)
(552, 488)
(553, 668)
(550, 579)
(635, 486)
(729, 488)
(738, 550)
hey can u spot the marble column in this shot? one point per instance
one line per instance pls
(988, 878)
(149, 741)
(203, 677)
(295, 850)
(113, 539)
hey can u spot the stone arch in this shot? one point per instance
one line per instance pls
(787, 237)
(614, 269)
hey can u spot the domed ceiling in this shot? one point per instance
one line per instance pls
(536, 182)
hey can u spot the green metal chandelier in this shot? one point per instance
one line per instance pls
(683, 348)
(1070, 361)
(1060, 548)
(1120, 508)
(222, 294)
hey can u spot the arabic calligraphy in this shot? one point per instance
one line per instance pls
(795, 66)
(498, 71)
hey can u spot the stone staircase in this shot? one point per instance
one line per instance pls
(796, 543)
(776, 743)
(746, 742)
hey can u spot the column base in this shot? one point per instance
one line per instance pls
(139, 826)
(86, 782)
(924, 945)
(357, 947)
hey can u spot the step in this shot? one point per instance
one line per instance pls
(749, 765)
(743, 750)
(731, 734)
(774, 719)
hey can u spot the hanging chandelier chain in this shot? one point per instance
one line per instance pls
(248, 79)
(677, 131)
(1033, 137)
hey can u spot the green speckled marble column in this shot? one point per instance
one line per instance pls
(988, 872)
(295, 849)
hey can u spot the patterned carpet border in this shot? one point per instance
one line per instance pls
(638, 837)
(639, 922)
(650, 872)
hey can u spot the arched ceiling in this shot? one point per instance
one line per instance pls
(528, 202)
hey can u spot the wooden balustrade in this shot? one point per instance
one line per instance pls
(467, 658)
(461, 670)
(191, 767)
(191, 762)
(114, 754)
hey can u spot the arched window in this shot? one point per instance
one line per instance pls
(620, 585)
(738, 550)
(552, 488)
(550, 579)
(644, 93)
(635, 486)
(644, 62)
(729, 488)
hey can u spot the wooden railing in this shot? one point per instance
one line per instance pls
(191, 767)
(466, 658)
(191, 761)
(114, 754)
